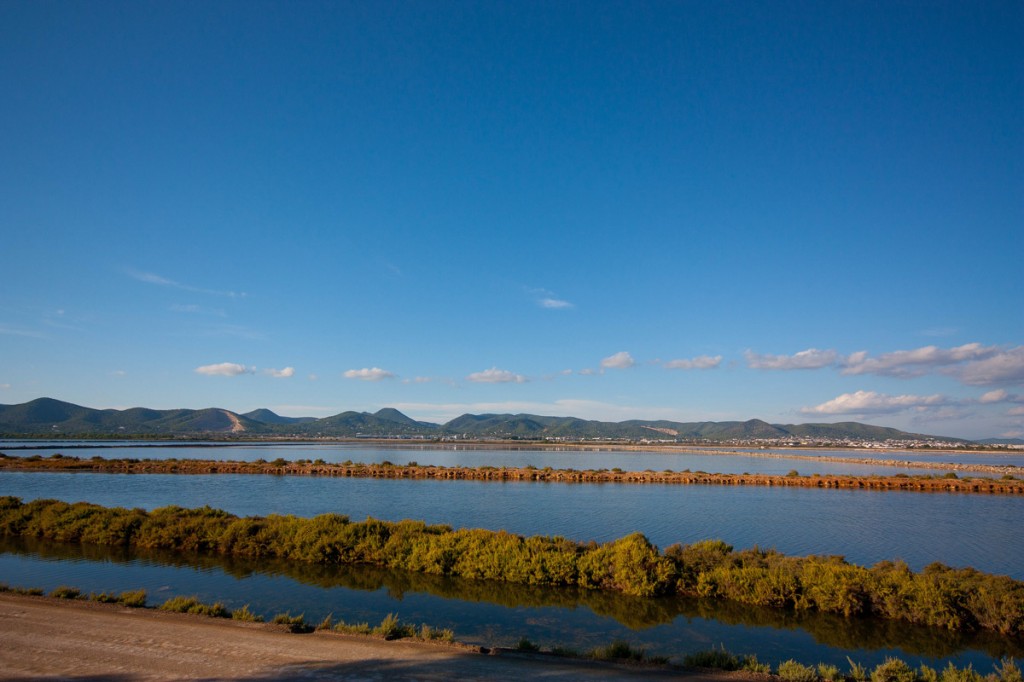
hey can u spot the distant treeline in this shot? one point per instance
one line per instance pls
(956, 599)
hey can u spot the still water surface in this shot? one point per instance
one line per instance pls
(982, 531)
(866, 526)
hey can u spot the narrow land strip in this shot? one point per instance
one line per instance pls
(42, 638)
(1009, 484)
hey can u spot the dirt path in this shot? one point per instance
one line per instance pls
(49, 639)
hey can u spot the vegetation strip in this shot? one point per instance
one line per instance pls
(956, 599)
(950, 482)
(390, 628)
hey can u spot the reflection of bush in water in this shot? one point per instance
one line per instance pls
(956, 599)
(636, 613)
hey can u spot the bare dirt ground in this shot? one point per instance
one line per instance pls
(49, 639)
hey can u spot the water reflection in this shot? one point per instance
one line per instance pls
(668, 626)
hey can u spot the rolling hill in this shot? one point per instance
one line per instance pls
(47, 417)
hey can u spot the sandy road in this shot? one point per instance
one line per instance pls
(49, 639)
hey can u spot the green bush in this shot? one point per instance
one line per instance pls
(858, 673)
(893, 670)
(194, 606)
(1007, 671)
(135, 599)
(618, 651)
(713, 658)
(524, 644)
(829, 673)
(244, 614)
(295, 624)
(953, 674)
(791, 671)
(65, 592)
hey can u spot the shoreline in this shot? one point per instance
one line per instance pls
(950, 483)
(57, 639)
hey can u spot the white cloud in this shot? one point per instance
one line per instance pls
(621, 360)
(281, 373)
(496, 376)
(554, 303)
(312, 377)
(369, 374)
(1004, 367)
(812, 358)
(1016, 411)
(916, 362)
(18, 331)
(869, 402)
(587, 372)
(225, 369)
(119, 373)
(699, 362)
(997, 396)
(5, 386)
(417, 380)
(153, 278)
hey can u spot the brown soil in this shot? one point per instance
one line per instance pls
(49, 639)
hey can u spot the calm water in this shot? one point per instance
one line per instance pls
(866, 526)
(716, 460)
(493, 613)
(960, 530)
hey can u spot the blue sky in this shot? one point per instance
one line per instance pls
(793, 211)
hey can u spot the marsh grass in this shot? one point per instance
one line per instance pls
(194, 606)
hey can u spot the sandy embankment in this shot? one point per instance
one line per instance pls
(42, 638)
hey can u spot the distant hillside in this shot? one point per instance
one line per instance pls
(46, 416)
(1001, 441)
(265, 416)
(49, 417)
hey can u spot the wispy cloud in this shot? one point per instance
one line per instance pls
(812, 358)
(620, 360)
(870, 402)
(225, 369)
(548, 299)
(496, 376)
(160, 280)
(916, 362)
(285, 373)
(20, 331)
(1016, 411)
(699, 362)
(418, 380)
(369, 374)
(192, 309)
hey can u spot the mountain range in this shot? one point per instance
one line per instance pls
(49, 417)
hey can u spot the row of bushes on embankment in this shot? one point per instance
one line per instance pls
(1008, 484)
(938, 596)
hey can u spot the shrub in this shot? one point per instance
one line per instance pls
(893, 670)
(327, 623)
(353, 628)
(524, 644)
(792, 473)
(926, 674)
(244, 614)
(953, 674)
(750, 663)
(431, 633)
(791, 671)
(713, 658)
(829, 673)
(295, 624)
(135, 599)
(1008, 671)
(618, 651)
(392, 628)
(858, 673)
(65, 592)
(194, 606)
